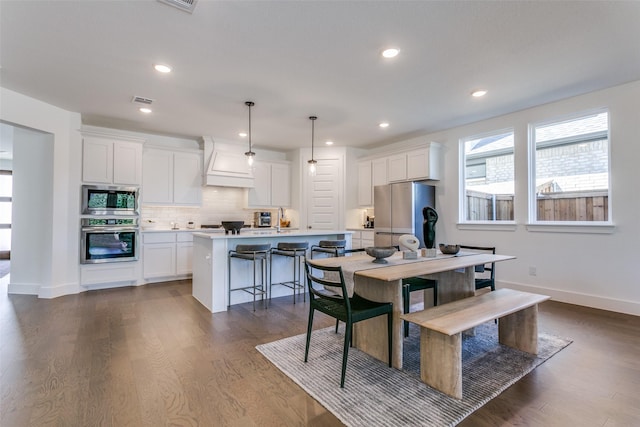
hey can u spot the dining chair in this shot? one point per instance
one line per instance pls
(484, 281)
(324, 298)
(413, 284)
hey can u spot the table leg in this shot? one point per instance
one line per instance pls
(520, 330)
(370, 335)
(441, 361)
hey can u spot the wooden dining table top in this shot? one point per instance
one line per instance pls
(394, 271)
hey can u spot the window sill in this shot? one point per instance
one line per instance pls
(580, 227)
(488, 225)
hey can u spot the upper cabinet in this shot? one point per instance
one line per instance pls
(414, 165)
(272, 185)
(418, 164)
(111, 161)
(172, 177)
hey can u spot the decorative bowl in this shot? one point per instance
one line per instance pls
(449, 249)
(380, 253)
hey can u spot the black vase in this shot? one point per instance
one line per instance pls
(429, 226)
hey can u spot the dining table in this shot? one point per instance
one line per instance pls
(382, 282)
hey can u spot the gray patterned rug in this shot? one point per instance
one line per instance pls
(376, 395)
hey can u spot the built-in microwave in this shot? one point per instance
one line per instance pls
(109, 200)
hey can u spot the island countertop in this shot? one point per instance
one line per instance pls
(257, 233)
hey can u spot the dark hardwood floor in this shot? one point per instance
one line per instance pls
(152, 356)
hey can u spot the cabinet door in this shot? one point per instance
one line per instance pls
(397, 167)
(364, 183)
(157, 176)
(127, 163)
(159, 260)
(418, 164)
(184, 258)
(187, 179)
(379, 172)
(280, 185)
(97, 160)
(260, 194)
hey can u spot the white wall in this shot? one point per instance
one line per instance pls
(54, 258)
(597, 270)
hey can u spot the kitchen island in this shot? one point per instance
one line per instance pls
(211, 270)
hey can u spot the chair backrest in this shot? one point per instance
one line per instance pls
(483, 249)
(329, 286)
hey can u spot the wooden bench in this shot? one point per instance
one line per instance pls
(441, 330)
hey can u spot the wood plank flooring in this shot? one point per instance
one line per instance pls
(153, 356)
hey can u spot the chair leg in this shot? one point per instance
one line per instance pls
(309, 327)
(345, 351)
(390, 334)
(337, 323)
(435, 294)
(406, 296)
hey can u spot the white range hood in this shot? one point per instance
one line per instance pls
(226, 165)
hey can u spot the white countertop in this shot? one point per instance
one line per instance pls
(256, 232)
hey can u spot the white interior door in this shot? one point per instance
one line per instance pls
(325, 196)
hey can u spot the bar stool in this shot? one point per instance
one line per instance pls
(332, 247)
(254, 253)
(297, 251)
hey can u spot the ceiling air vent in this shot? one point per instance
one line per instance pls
(186, 5)
(141, 100)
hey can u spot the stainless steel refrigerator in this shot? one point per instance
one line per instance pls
(398, 210)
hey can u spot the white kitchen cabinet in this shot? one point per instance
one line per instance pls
(167, 255)
(110, 161)
(379, 172)
(184, 254)
(172, 178)
(272, 185)
(418, 164)
(365, 187)
(361, 239)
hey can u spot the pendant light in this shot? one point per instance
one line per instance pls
(250, 154)
(312, 162)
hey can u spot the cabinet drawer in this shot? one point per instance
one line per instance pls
(367, 235)
(184, 237)
(159, 238)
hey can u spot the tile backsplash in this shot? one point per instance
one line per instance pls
(218, 204)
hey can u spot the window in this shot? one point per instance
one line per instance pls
(570, 162)
(488, 177)
(6, 183)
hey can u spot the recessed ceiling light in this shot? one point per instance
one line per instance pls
(478, 93)
(390, 53)
(162, 68)
(242, 134)
(384, 125)
(145, 110)
(329, 142)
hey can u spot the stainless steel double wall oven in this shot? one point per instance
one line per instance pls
(109, 228)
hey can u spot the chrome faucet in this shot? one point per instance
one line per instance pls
(280, 216)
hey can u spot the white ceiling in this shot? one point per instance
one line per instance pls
(301, 58)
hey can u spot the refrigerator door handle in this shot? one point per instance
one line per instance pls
(384, 232)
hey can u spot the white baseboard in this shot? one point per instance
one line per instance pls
(23, 288)
(587, 300)
(48, 292)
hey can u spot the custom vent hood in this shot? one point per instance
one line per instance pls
(225, 165)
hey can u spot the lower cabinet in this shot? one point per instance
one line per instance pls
(361, 239)
(167, 255)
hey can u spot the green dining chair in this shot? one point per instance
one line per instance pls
(323, 298)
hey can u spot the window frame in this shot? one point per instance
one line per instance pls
(533, 224)
(463, 222)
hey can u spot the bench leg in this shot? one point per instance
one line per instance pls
(520, 330)
(441, 361)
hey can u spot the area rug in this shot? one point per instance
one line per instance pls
(376, 395)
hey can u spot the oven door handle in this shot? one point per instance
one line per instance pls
(110, 229)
